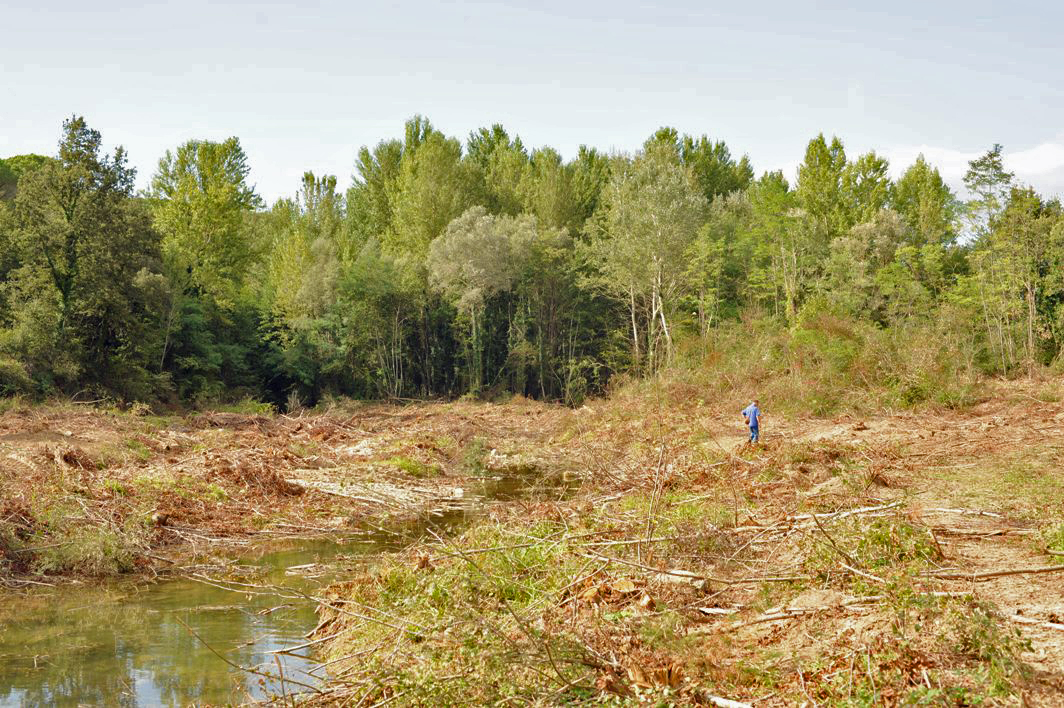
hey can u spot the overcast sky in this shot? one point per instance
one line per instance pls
(305, 85)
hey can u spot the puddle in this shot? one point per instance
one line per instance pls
(127, 644)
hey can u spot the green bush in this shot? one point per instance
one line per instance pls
(14, 379)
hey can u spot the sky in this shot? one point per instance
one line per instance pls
(305, 85)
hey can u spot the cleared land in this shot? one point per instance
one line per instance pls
(902, 558)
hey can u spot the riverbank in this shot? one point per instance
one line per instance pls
(91, 492)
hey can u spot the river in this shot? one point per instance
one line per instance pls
(131, 643)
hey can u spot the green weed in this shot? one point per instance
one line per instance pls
(475, 456)
(891, 548)
(246, 406)
(140, 451)
(414, 468)
(216, 493)
(115, 488)
(1053, 537)
(89, 549)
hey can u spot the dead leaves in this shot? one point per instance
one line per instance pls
(613, 591)
(670, 676)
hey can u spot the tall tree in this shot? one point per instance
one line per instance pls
(866, 187)
(370, 199)
(989, 183)
(926, 205)
(433, 187)
(652, 212)
(201, 197)
(499, 165)
(477, 257)
(820, 188)
(1023, 233)
(82, 236)
(201, 203)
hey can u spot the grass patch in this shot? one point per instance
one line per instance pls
(415, 468)
(472, 618)
(139, 450)
(245, 406)
(115, 488)
(1053, 537)
(475, 457)
(79, 548)
(890, 548)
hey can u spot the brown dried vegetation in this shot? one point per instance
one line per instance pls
(887, 560)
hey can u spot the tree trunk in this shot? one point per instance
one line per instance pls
(635, 328)
(1030, 325)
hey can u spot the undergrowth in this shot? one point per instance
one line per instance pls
(824, 364)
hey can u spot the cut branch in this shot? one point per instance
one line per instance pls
(995, 573)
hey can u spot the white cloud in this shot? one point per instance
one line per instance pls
(1041, 166)
(1040, 160)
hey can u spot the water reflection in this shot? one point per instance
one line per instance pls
(125, 645)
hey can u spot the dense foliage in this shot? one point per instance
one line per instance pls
(486, 267)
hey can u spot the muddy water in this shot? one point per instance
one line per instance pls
(130, 644)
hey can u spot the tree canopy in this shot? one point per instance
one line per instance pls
(486, 266)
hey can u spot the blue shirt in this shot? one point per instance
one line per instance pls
(753, 413)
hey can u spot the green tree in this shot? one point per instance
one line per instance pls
(433, 187)
(712, 166)
(926, 205)
(651, 212)
(477, 257)
(369, 201)
(866, 187)
(11, 168)
(1023, 232)
(719, 260)
(200, 202)
(84, 283)
(821, 190)
(989, 183)
(499, 165)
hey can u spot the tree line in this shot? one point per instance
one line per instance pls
(485, 267)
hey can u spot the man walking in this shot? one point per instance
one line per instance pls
(752, 414)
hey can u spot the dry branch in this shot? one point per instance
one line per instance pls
(995, 573)
(678, 572)
(1041, 623)
(836, 515)
(969, 512)
(790, 613)
(724, 702)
